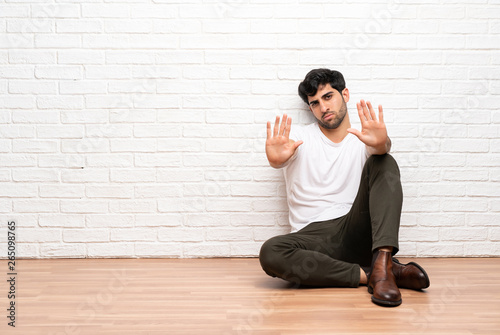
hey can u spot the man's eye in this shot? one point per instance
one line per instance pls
(328, 97)
(312, 104)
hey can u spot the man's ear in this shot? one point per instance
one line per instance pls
(345, 94)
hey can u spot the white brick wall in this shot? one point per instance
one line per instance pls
(137, 128)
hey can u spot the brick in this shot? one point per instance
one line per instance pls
(464, 234)
(158, 160)
(61, 220)
(132, 175)
(110, 160)
(85, 235)
(157, 191)
(84, 145)
(181, 205)
(17, 190)
(62, 191)
(111, 249)
(173, 234)
(105, 10)
(109, 220)
(83, 206)
(59, 250)
(133, 206)
(32, 57)
(213, 249)
(79, 26)
(17, 160)
(66, 131)
(133, 235)
(39, 235)
(207, 220)
(109, 191)
(464, 205)
(158, 250)
(36, 206)
(80, 57)
(158, 220)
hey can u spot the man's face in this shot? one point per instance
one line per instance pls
(329, 106)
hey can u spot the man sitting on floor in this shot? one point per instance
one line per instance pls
(344, 196)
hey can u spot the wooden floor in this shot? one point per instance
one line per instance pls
(234, 296)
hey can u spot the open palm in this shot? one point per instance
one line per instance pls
(279, 147)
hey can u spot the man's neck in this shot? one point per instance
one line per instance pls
(338, 134)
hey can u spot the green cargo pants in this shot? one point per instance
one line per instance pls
(330, 253)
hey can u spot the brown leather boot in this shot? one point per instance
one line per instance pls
(410, 275)
(382, 283)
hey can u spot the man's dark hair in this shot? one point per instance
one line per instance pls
(319, 77)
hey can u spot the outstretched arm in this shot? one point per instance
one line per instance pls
(279, 147)
(373, 132)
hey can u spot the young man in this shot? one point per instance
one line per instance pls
(344, 196)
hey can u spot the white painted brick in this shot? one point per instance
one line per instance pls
(127, 57)
(17, 131)
(17, 10)
(489, 189)
(79, 26)
(229, 234)
(128, 26)
(36, 206)
(5, 145)
(60, 102)
(428, 249)
(207, 220)
(132, 175)
(108, 130)
(85, 145)
(172, 234)
(441, 189)
(109, 220)
(110, 160)
(17, 160)
(109, 191)
(44, 235)
(84, 117)
(32, 57)
(482, 219)
(494, 234)
(158, 220)
(133, 235)
(134, 145)
(245, 249)
(179, 26)
(418, 234)
(16, 190)
(205, 160)
(59, 250)
(137, 116)
(465, 145)
(32, 87)
(86, 235)
(35, 175)
(157, 191)
(421, 205)
(200, 250)
(105, 10)
(55, 10)
(111, 249)
(157, 160)
(80, 57)
(62, 191)
(62, 220)
(61, 161)
(158, 250)
(153, 10)
(84, 206)
(464, 205)
(179, 175)
(34, 146)
(465, 175)
(6, 205)
(476, 249)
(181, 205)
(57, 41)
(133, 206)
(482, 161)
(463, 234)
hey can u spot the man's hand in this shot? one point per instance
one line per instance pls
(279, 147)
(373, 132)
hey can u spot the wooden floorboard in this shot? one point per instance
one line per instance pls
(234, 296)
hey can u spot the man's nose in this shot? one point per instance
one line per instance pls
(323, 107)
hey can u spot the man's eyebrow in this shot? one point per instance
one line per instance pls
(330, 92)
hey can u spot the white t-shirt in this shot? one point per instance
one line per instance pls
(323, 177)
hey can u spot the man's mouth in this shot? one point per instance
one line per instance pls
(328, 116)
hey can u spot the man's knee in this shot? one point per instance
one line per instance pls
(267, 255)
(383, 162)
